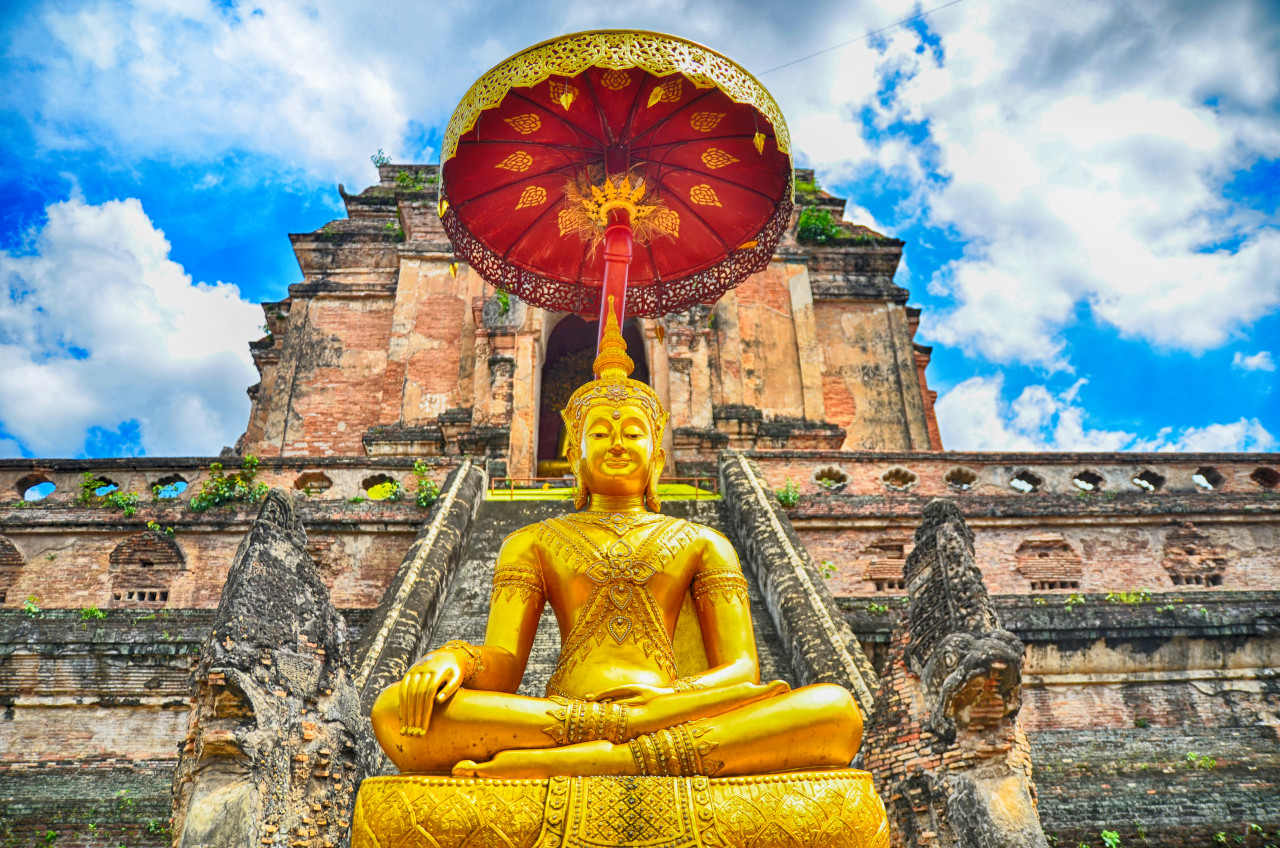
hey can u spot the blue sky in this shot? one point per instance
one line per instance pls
(1088, 193)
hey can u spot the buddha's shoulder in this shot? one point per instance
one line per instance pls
(527, 538)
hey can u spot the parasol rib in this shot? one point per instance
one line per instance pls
(559, 148)
(560, 119)
(536, 222)
(631, 113)
(676, 111)
(595, 101)
(521, 179)
(718, 179)
(702, 140)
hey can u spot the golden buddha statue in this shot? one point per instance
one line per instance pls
(617, 575)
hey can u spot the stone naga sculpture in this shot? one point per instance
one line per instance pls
(945, 742)
(619, 577)
(277, 744)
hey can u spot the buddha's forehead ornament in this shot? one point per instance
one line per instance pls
(613, 387)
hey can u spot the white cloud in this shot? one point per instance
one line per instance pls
(1245, 435)
(319, 85)
(100, 327)
(192, 81)
(974, 416)
(1079, 154)
(1260, 361)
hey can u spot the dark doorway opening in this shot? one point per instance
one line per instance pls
(570, 352)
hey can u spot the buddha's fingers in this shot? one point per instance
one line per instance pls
(402, 711)
(427, 700)
(448, 685)
(422, 693)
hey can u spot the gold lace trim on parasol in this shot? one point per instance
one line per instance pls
(617, 50)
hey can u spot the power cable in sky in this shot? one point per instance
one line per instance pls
(861, 37)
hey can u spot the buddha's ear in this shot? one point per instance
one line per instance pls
(651, 499)
(581, 494)
(659, 462)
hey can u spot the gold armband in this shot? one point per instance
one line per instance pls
(687, 684)
(729, 585)
(587, 721)
(518, 579)
(474, 663)
(673, 752)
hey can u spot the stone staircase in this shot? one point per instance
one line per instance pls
(466, 608)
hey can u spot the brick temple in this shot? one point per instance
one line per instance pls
(1145, 587)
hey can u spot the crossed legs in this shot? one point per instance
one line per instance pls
(748, 728)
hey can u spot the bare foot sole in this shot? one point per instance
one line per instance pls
(581, 759)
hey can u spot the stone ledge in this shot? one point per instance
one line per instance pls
(827, 809)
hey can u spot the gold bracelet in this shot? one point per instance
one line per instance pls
(475, 659)
(687, 684)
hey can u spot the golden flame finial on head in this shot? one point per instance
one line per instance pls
(614, 387)
(612, 362)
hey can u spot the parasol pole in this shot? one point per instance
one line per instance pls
(617, 260)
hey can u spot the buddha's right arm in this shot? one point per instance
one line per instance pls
(515, 607)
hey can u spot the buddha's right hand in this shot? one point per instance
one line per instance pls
(433, 679)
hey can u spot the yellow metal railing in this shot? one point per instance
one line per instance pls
(554, 488)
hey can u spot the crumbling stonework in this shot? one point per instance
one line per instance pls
(277, 744)
(820, 644)
(387, 347)
(944, 743)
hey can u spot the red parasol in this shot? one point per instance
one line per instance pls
(566, 155)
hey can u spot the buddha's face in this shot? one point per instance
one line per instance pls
(617, 454)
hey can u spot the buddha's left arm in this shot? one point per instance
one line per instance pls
(724, 611)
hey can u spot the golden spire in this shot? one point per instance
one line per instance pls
(612, 362)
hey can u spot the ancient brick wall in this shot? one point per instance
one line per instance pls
(869, 375)
(388, 347)
(1118, 536)
(75, 556)
(93, 711)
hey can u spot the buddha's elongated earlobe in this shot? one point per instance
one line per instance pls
(651, 499)
(581, 494)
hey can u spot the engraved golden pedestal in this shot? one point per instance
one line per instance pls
(821, 809)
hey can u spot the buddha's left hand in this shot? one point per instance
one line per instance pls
(631, 693)
(432, 680)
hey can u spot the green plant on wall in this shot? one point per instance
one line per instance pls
(236, 487)
(1141, 596)
(808, 186)
(789, 494)
(426, 491)
(1200, 761)
(817, 225)
(96, 491)
(91, 613)
(154, 527)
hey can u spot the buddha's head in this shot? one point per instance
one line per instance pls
(615, 428)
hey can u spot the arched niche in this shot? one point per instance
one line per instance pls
(570, 350)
